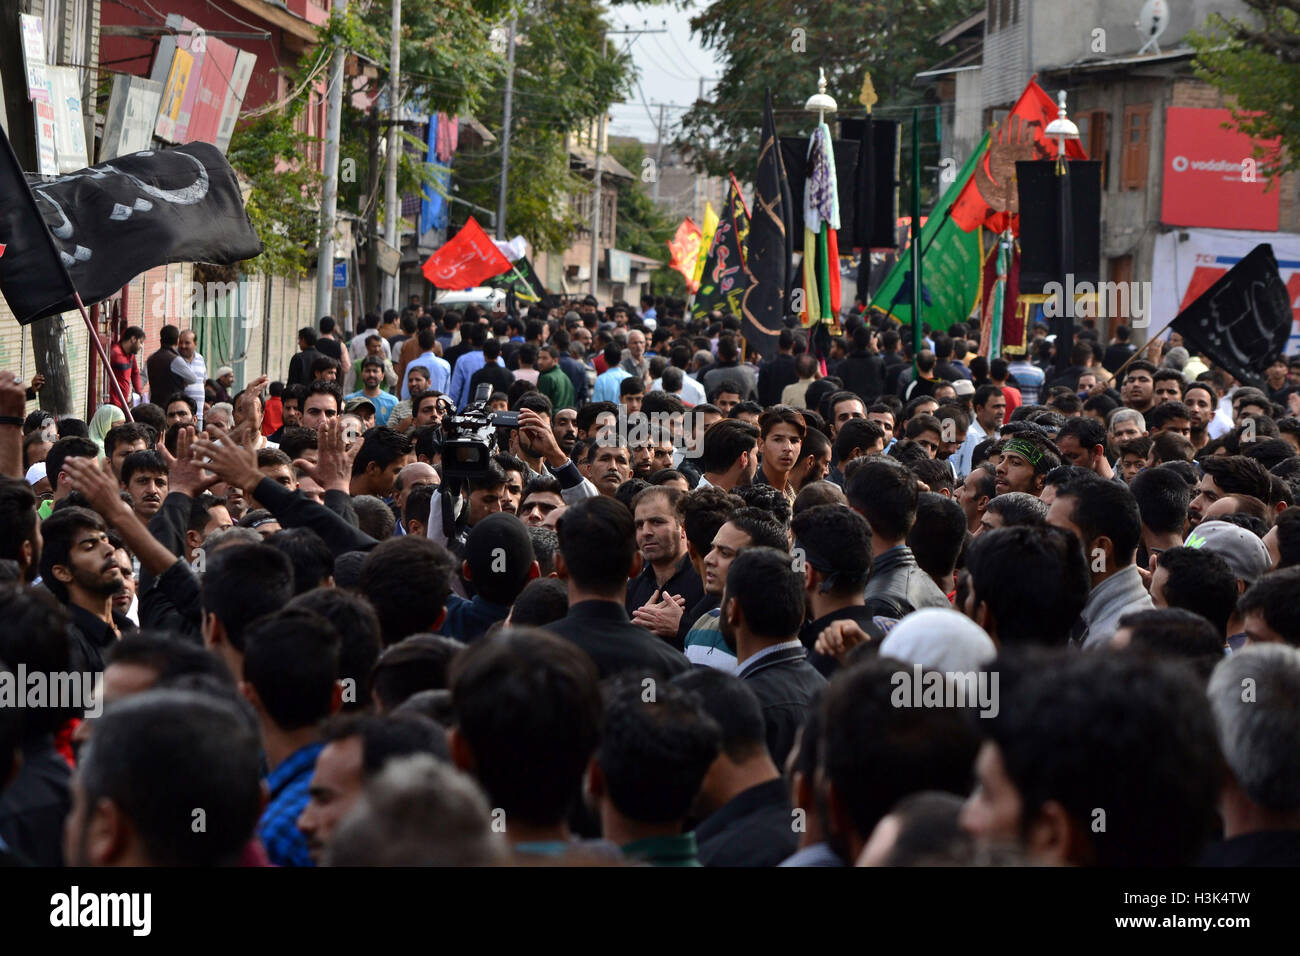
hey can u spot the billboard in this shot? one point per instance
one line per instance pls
(132, 109)
(178, 78)
(1209, 176)
(1185, 264)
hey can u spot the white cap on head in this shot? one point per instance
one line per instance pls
(35, 473)
(939, 639)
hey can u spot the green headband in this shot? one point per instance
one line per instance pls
(1025, 449)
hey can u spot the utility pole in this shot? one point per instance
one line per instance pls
(393, 211)
(330, 193)
(505, 126)
(659, 153)
(595, 193)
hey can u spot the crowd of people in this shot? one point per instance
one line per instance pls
(844, 605)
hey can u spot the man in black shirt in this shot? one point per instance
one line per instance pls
(863, 371)
(597, 556)
(778, 372)
(301, 364)
(668, 584)
(834, 543)
(79, 566)
(762, 610)
(743, 805)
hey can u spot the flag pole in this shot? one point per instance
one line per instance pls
(114, 385)
(917, 337)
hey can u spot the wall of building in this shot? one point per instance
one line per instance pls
(1063, 30)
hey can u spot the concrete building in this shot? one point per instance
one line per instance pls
(1175, 195)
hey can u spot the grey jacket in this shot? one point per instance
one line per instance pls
(1121, 593)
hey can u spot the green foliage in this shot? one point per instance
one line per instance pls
(1257, 64)
(285, 199)
(563, 77)
(783, 48)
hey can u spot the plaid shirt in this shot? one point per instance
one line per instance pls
(278, 828)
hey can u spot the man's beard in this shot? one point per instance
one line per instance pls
(96, 584)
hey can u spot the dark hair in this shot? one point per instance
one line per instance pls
(1273, 598)
(862, 731)
(1105, 508)
(654, 755)
(702, 512)
(726, 441)
(17, 519)
(734, 708)
(388, 737)
(35, 635)
(1162, 498)
(835, 541)
(1034, 580)
(1087, 431)
(311, 557)
(244, 582)
(58, 530)
(1063, 717)
(857, 433)
(769, 590)
(884, 492)
(147, 461)
(542, 601)
(1237, 474)
(598, 542)
(762, 528)
(309, 335)
(1200, 581)
(1172, 632)
(1288, 537)
(128, 433)
(158, 755)
(166, 656)
(938, 534)
(382, 446)
(72, 447)
(291, 658)
(414, 664)
(528, 705)
(359, 643)
(500, 556)
(407, 580)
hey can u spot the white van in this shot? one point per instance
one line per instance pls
(494, 300)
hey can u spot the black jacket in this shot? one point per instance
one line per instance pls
(808, 634)
(607, 634)
(786, 685)
(1116, 355)
(773, 377)
(34, 806)
(684, 582)
(753, 828)
(499, 378)
(300, 367)
(863, 373)
(898, 586)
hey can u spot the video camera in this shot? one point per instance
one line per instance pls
(471, 436)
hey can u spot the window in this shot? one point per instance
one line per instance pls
(1005, 14)
(1094, 137)
(1136, 147)
(993, 16)
(1015, 11)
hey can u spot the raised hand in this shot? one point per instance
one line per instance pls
(663, 616)
(231, 462)
(839, 638)
(184, 472)
(100, 489)
(333, 468)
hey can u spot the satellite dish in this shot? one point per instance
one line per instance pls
(1152, 22)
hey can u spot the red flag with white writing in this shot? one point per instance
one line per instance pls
(469, 258)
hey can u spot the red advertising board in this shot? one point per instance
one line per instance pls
(1209, 175)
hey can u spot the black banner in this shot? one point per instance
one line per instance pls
(1243, 321)
(722, 284)
(96, 229)
(522, 280)
(768, 247)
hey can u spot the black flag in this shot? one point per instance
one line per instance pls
(95, 230)
(1243, 321)
(768, 252)
(522, 281)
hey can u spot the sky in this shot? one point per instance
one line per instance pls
(671, 65)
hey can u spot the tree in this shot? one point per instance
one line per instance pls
(783, 48)
(643, 228)
(564, 76)
(1257, 64)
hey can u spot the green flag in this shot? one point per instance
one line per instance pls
(950, 264)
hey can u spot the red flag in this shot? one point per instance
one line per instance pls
(989, 197)
(685, 249)
(468, 259)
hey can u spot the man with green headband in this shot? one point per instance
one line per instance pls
(1025, 461)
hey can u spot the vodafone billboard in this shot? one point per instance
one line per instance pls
(1207, 179)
